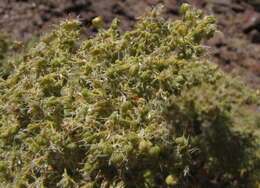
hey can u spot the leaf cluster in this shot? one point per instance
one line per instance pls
(142, 108)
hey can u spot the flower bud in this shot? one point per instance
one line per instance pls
(184, 8)
(97, 21)
(171, 180)
(144, 145)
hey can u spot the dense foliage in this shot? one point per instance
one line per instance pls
(142, 108)
(7, 49)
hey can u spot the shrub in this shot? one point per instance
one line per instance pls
(6, 49)
(142, 108)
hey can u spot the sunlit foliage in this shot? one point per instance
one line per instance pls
(144, 108)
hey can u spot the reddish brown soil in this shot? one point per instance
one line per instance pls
(236, 47)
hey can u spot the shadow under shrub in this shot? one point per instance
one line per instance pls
(137, 109)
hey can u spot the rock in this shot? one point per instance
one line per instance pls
(251, 20)
(170, 4)
(224, 2)
(239, 8)
(255, 4)
(255, 36)
(220, 9)
(199, 3)
(256, 68)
